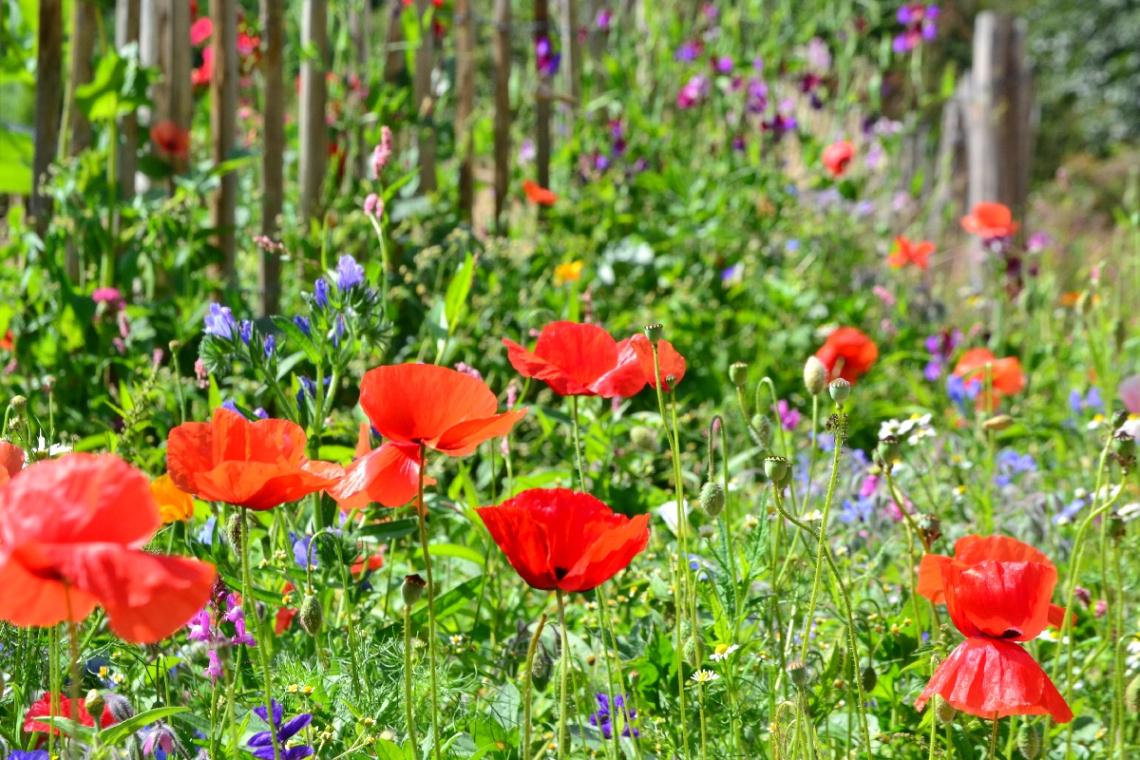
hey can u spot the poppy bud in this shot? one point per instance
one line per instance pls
(1029, 741)
(175, 345)
(868, 677)
(235, 530)
(738, 374)
(943, 710)
(930, 527)
(1000, 422)
(1116, 526)
(541, 668)
(413, 588)
(312, 616)
(644, 439)
(775, 468)
(712, 498)
(1132, 695)
(18, 403)
(888, 451)
(815, 376)
(840, 390)
(119, 706)
(761, 430)
(94, 705)
(655, 332)
(797, 671)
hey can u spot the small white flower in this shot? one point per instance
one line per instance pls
(890, 428)
(723, 654)
(813, 516)
(52, 451)
(705, 676)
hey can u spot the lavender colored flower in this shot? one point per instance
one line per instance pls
(303, 556)
(262, 742)
(546, 59)
(603, 719)
(270, 345)
(231, 405)
(859, 510)
(199, 626)
(245, 331)
(321, 293)
(1091, 400)
(32, 754)
(159, 742)
(1069, 511)
(349, 274)
(527, 151)
(756, 97)
(723, 64)
(689, 51)
(818, 56)
(303, 325)
(960, 391)
(1039, 241)
(220, 321)
(260, 413)
(604, 19)
(789, 416)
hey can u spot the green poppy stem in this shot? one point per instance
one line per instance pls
(528, 678)
(564, 666)
(408, 714)
(421, 511)
(249, 607)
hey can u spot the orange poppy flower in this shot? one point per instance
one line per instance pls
(848, 353)
(259, 465)
(171, 139)
(538, 195)
(41, 708)
(389, 475)
(11, 461)
(82, 545)
(669, 361)
(442, 409)
(837, 156)
(8, 342)
(1007, 376)
(905, 252)
(579, 360)
(173, 504)
(990, 220)
(372, 562)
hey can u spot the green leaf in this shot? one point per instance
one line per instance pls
(389, 530)
(457, 292)
(16, 149)
(293, 333)
(99, 98)
(116, 733)
(457, 551)
(215, 394)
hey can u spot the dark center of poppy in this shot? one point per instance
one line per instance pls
(560, 572)
(1010, 633)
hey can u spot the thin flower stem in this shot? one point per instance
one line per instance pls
(249, 608)
(528, 678)
(704, 732)
(73, 652)
(993, 738)
(563, 676)
(578, 443)
(911, 532)
(421, 511)
(231, 688)
(409, 715)
(54, 678)
(821, 549)
(813, 448)
(621, 681)
(691, 586)
(602, 615)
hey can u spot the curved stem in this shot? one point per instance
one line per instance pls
(821, 549)
(564, 667)
(249, 607)
(528, 677)
(578, 442)
(421, 511)
(409, 715)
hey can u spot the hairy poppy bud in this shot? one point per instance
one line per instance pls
(413, 588)
(868, 677)
(738, 374)
(655, 332)
(1119, 418)
(1000, 422)
(1029, 741)
(119, 706)
(644, 439)
(175, 345)
(815, 376)
(797, 671)
(775, 468)
(712, 498)
(235, 530)
(761, 430)
(312, 616)
(840, 390)
(94, 705)
(1132, 695)
(541, 668)
(943, 710)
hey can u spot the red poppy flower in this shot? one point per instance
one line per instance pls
(837, 156)
(171, 139)
(848, 353)
(538, 195)
(82, 545)
(11, 461)
(389, 475)
(990, 220)
(905, 252)
(201, 76)
(972, 550)
(1006, 374)
(996, 603)
(438, 407)
(259, 465)
(579, 360)
(372, 562)
(671, 363)
(285, 614)
(562, 539)
(8, 342)
(41, 708)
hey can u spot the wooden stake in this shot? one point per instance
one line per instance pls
(571, 54)
(424, 101)
(223, 128)
(542, 99)
(465, 103)
(273, 153)
(48, 99)
(502, 108)
(127, 32)
(82, 46)
(313, 130)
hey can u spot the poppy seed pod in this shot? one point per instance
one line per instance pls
(868, 678)
(94, 705)
(776, 468)
(712, 498)
(1029, 741)
(312, 615)
(815, 376)
(644, 439)
(412, 588)
(738, 373)
(840, 390)
(888, 450)
(1000, 422)
(541, 668)
(943, 710)
(655, 332)
(930, 527)
(797, 671)
(1123, 444)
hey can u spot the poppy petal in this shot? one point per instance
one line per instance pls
(460, 440)
(34, 594)
(669, 362)
(990, 678)
(584, 352)
(530, 365)
(1003, 600)
(389, 475)
(523, 540)
(414, 403)
(11, 461)
(363, 440)
(626, 379)
(930, 577)
(609, 555)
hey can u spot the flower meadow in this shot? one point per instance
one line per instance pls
(734, 442)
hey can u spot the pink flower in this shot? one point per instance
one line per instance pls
(1101, 608)
(884, 295)
(201, 30)
(870, 483)
(374, 205)
(110, 296)
(789, 416)
(895, 512)
(202, 374)
(382, 153)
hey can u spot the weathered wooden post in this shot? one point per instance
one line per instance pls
(82, 44)
(571, 55)
(48, 101)
(126, 33)
(223, 127)
(313, 130)
(502, 108)
(394, 64)
(360, 32)
(425, 100)
(164, 43)
(543, 96)
(273, 153)
(465, 103)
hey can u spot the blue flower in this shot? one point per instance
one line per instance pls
(303, 325)
(338, 331)
(960, 391)
(262, 743)
(206, 533)
(604, 717)
(1067, 514)
(245, 331)
(859, 510)
(229, 404)
(32, 754)
(321, 293)
(349, 274)
(260, 413)
(1091, 400)
(303, 557)
(270, 345)
(220, 321)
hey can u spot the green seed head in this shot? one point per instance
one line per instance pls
(840, 390)
(738, 374)
(412, 588)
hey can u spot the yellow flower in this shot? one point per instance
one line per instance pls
(173, 505)
(564, 273)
